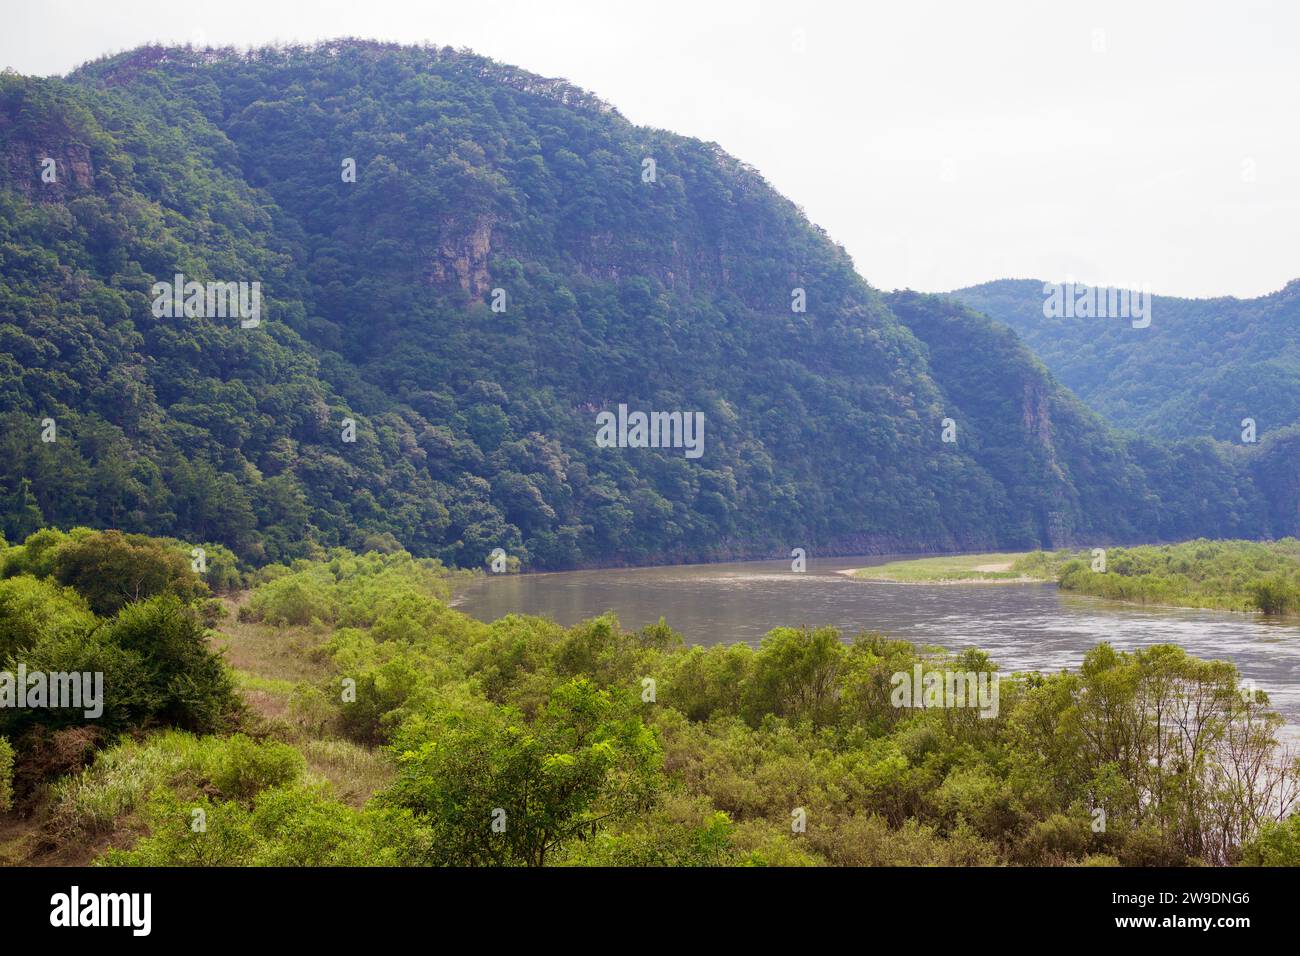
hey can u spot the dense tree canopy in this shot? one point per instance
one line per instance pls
(479, 187)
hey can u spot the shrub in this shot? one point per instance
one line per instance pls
(120, 677)
(975, 795)
(247, 767)
(796, 674)
(32, 609)
(225, 839)
(186, 685)
(222, 575)
(156, 667)
(1147, 846)
(293, 599)
(35, 556)
(42, 755)
(1276, 844)
(289, 826)
(310, 709)
(668, 837)
(380, 695)
(123, 777)
(1275, 596)
(582, 765)
(1057, 839)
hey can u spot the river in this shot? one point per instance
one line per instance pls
(1022, 626)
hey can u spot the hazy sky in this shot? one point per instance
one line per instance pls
(943, 144)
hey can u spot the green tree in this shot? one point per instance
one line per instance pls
(112, 569)
(495, 790)
(796, 674)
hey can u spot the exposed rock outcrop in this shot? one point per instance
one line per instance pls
(461, 256)
(24, 161)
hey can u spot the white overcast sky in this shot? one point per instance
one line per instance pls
(943, 143)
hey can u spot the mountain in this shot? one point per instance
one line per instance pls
(1199, 368)
(462, 267)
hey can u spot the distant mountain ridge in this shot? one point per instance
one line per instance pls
(509, 259)
(1198, 369)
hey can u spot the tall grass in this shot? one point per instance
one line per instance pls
(122, 778)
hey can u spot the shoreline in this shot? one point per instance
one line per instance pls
(852, 574)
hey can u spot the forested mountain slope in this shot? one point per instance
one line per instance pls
(1199, 368)
(626, 266)
(1053, 456)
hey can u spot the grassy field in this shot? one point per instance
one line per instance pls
(996, 568)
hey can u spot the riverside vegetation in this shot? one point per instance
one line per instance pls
(1232, 575)
(1228, 575)
(342, 713)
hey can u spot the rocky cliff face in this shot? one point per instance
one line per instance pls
(461, 256)
(1036, 416)
(43, 168)
(44, 154)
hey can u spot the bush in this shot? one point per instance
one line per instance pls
(225, 838)
(354, 590)
(155, 664)
(122, 777)
(186, 685)
(1147, 846)
(247, 767)
(1275, 596)
(381, 693)
(290, 826)
(1276, 844)
(119, 677)
(293, 599)
(1235, 575)
(975, 795)
(682, 834)
(42, 755)
(1056, 840)
(222, 575)
(310, 709)
(31, 610)
(35, 556)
